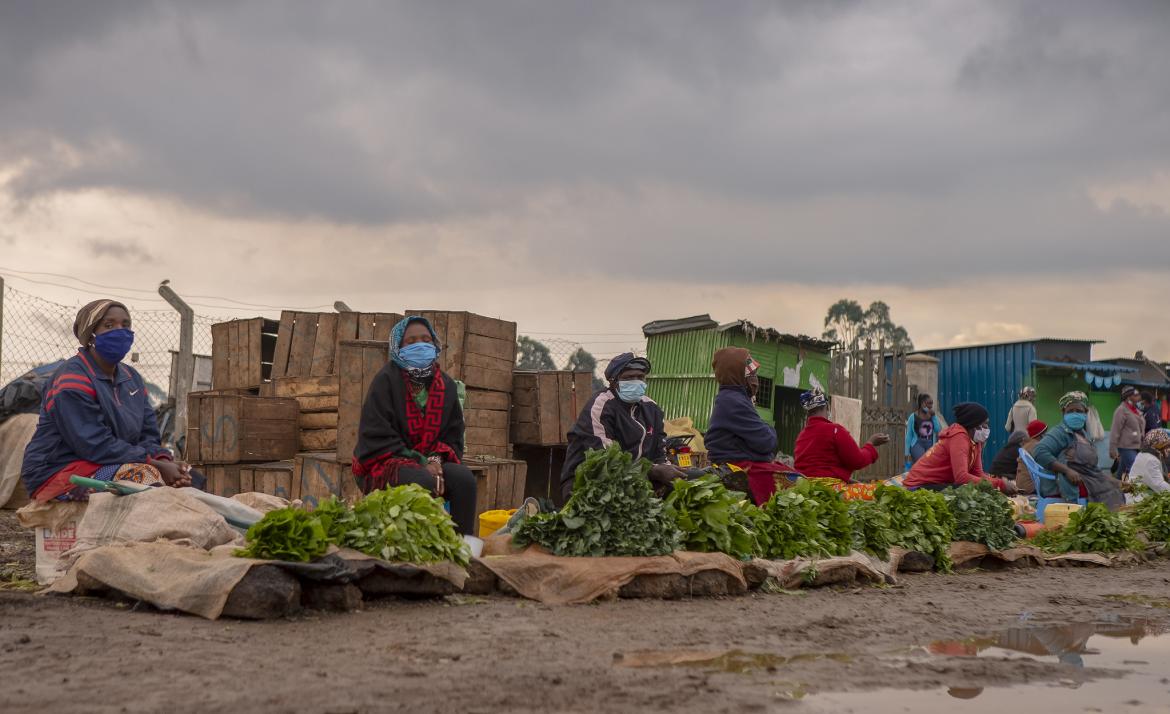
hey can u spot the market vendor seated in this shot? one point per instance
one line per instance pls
(96, 420)
(827, 450)
(1067, 452)
(737, 434)
(623, 414)
(411, 428)
(957, 458)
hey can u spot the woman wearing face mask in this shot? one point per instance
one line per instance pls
(1067, 452)
(96, 420)
(1149, 468)
(736, 433)
(922, 430)
(411, 430)
(957, 458)
(625, 415)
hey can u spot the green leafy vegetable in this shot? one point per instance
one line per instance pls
(286, 534)
(401, 523)
(921, 520)
(982, 515)
(809, 519)
(873, 531)
(1092, 529)
(713, 519)
(613, 511)
(1152, 515)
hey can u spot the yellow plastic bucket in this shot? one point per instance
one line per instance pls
(1056, 514)
(492, 521)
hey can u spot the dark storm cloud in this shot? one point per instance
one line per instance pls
(123, 249)
(814, 141)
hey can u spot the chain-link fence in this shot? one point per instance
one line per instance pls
(37, 331)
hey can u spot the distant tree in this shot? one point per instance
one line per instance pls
(583, 361)
(533, 355)
(847, 322)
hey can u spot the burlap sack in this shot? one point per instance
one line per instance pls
(15, 433)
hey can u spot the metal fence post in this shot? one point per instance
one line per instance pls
(186, 361)
(1, 320)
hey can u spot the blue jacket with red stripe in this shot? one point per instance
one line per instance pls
(87, 416)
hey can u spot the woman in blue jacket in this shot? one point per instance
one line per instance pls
(737, 434)
(96, 420)
(923, 428)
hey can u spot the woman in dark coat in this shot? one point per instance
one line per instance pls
(411, 429)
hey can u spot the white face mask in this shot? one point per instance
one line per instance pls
(982, 435)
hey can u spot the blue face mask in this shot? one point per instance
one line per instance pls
(631, 391)
(112, 346)
(420, 355)
(1075, 420)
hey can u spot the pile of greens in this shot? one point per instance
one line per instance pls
(873, 531)
(1092, 529)
(613, 511)
(921, 521)
(286, 534)
(713, 519)
(1152, 515)
(809, 519)
(402, 523)
(982, 515)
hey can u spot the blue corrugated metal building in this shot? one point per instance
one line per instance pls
(993, 375)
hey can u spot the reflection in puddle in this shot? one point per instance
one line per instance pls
(1162, 603)
(733, 661)
(1137, 648)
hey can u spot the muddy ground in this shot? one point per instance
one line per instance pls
(499, 654)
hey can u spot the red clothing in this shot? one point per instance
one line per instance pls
(762, 477)
(955, 460)
(826, 450)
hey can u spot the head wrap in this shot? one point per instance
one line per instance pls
(814, 399)
(90, 316)
(732, 365)
(396, 335)
(970, 415)
(1028, 393)
(1073, 398)
(1036, 428)
(624, 361)
(1157, 440)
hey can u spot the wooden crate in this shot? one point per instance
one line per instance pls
(545, 464)
(478, 351)
(500, 483)
(358, 362)
(222, 479)
(318, 439)
(307, 343)
(298, 387)
(241, 353)
(274, 479)
(546, 404)
(228, 429)
(317, 476)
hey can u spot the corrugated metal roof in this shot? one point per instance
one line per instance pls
(1034, 340)
(682, 324)
(704, 322)
(1095, 366)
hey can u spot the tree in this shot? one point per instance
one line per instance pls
(846, 323)
(583, 361)
(533, 355)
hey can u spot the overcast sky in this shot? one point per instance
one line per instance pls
(992, 170)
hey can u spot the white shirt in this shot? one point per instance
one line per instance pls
(1147, 471)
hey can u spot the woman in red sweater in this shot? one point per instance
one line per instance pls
(827, 450)
(957, 458)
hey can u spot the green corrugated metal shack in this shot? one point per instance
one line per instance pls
(683, 382)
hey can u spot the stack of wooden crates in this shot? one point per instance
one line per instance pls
(545, 405)
(300, 396)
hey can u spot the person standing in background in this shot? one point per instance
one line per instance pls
(1023, 411)
(922, 430)
(1151, 410)
(1125, 435)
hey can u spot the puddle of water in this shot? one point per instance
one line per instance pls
(1161, 603)
(731, 661)
(1138, 648)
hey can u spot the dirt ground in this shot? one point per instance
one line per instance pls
(500, 654)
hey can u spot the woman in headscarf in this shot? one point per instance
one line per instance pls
(1067, 452)
(411, 430)
(96, 420)
(1149, 468)
(957, 458)
(737, 434)
(826, 450)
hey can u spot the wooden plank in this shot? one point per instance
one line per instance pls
(505, 475)
(264, 408)
(491, 379)
(222, 479)
(566, 412)
(384, 323)
(503, 350)
(527, 432)
(318, 403)
(255, 368)
(304, 386)
(324, 344)
(318, 440)
(485, 418)
(283, 344)
(274, 483)
(457, 341)
(491, 327)
(304, 338)
(472, 360)
(347, 329)
(220, 376)
(349, 405)
(318, 420)
(523, 415)
(498, 451)
(485, 488)
(316, 477)
(549, 407)
(247, 479)
(366, 323)
(519, 483)
(239, 355)
(255, 448)
(223, 451)
(486, 437)
(482, 399)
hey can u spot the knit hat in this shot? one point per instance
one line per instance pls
(1028, 393)
(1036, 428)
(1127, 391)
(1074, 397)
(1157, 440)
(624, 361)
(814, 399)
(970, 414)
(90, 316)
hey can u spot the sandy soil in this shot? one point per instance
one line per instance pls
(499, 654)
